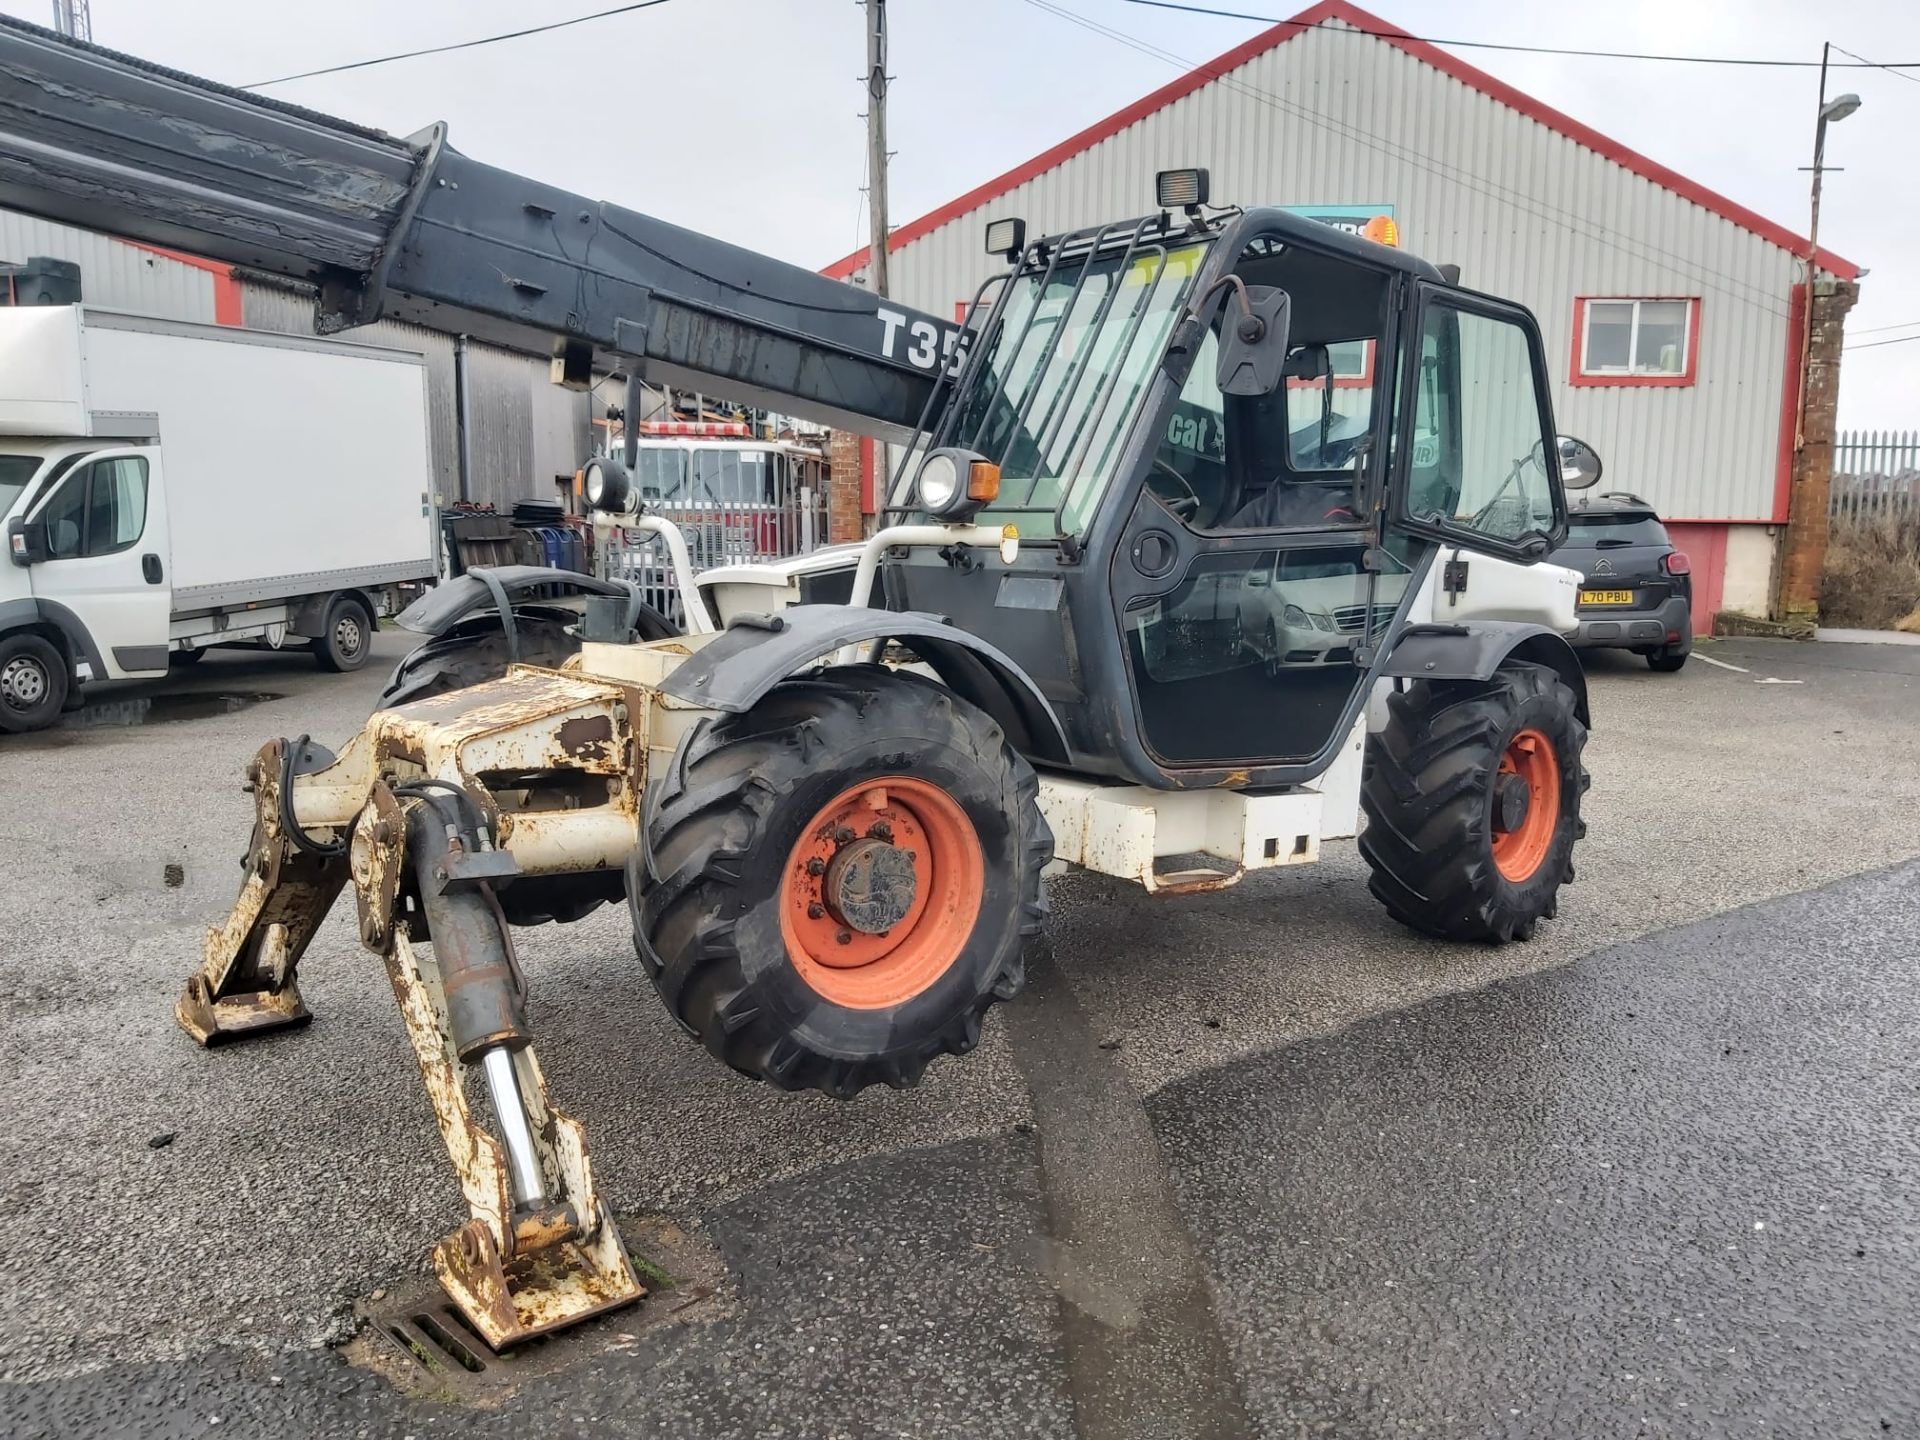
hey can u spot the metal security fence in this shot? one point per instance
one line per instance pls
(736, 502)
(1875, 473)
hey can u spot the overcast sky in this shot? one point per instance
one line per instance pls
(740, 117)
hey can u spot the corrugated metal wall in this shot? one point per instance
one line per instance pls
(525, 430)
(113, 273)
(1333, 119)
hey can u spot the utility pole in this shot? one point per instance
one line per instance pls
(1796, 582)
(877, 143)
(74, 18)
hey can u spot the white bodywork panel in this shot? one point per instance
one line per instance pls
(1123, 830)
(1496, 589)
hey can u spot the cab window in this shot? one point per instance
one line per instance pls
(1296, 458)
(97, 510)
(1480, 437)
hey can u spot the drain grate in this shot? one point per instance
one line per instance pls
(416, 1338)
(442, 1343)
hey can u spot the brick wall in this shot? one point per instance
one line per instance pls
(844, 520)
(1804, 554)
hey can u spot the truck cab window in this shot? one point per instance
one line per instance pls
(98, 509)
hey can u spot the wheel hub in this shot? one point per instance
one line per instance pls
(870, 886)
(22, 684)
(1511, 800)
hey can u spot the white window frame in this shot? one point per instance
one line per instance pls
(1629, 371)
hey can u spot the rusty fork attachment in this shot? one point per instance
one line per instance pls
(540, 1251)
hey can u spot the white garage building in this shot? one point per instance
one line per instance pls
(1674, 314)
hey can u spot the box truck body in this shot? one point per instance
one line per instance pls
(168, 486)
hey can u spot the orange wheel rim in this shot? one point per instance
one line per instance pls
(881, 892)
(1526, 805)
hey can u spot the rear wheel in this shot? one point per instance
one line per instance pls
(347, 639)
(33, 683)
(834, 887)
(1667, 659)
(189, 655)
(1472, 797)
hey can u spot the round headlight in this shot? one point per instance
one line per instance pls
(939, 484)
(605, 484)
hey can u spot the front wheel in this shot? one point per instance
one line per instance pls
(33, 683)
(833, 887)
(1472, 797)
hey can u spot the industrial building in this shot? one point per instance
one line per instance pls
(501, 430)
(1673, 316)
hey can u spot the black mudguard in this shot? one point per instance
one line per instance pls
(734, 671)
(1474, 650)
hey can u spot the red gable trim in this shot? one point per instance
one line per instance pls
(1432, 55)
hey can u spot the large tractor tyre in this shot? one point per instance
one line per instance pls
(1472, 798)
(472, 653)
(33, 683)
(475, 651)
(833, 888)
(347, 639)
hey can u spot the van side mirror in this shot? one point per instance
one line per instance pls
(27, 541)
(1253, 341)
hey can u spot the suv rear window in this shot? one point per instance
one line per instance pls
(1628, 528)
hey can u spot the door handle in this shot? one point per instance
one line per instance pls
(150, 567)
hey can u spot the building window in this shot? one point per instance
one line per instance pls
(1619, 340)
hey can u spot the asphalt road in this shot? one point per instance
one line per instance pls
(1327, 1177)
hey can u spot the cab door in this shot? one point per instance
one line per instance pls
(104, 529)
(1482, 466)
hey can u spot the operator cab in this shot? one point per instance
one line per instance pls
(1250, 547)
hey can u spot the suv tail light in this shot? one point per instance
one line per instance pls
(1676, 563)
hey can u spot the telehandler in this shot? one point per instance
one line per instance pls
(1188, 560)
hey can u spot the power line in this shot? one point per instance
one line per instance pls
(1876, 329)
(457, 45)
(1876, 344)
(1529, 205)
(1532, 49)
(1876, 65)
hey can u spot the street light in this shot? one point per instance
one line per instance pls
(1839, 107)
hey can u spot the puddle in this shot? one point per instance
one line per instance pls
(160, 709)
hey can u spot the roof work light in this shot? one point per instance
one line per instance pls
(1006, 237)
(1180, 189)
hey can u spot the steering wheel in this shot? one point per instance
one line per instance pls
(1186, 504)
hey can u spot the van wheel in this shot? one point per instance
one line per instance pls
(347, 639)
(189, 655)
(33, 684)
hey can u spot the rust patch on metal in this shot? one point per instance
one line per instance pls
(588, 737)
(245, 984)
(1193, 882)
(376, 856)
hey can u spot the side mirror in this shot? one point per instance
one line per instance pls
(1253, 342)
(1256, 578)
(1579, 464)
(27, 541)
